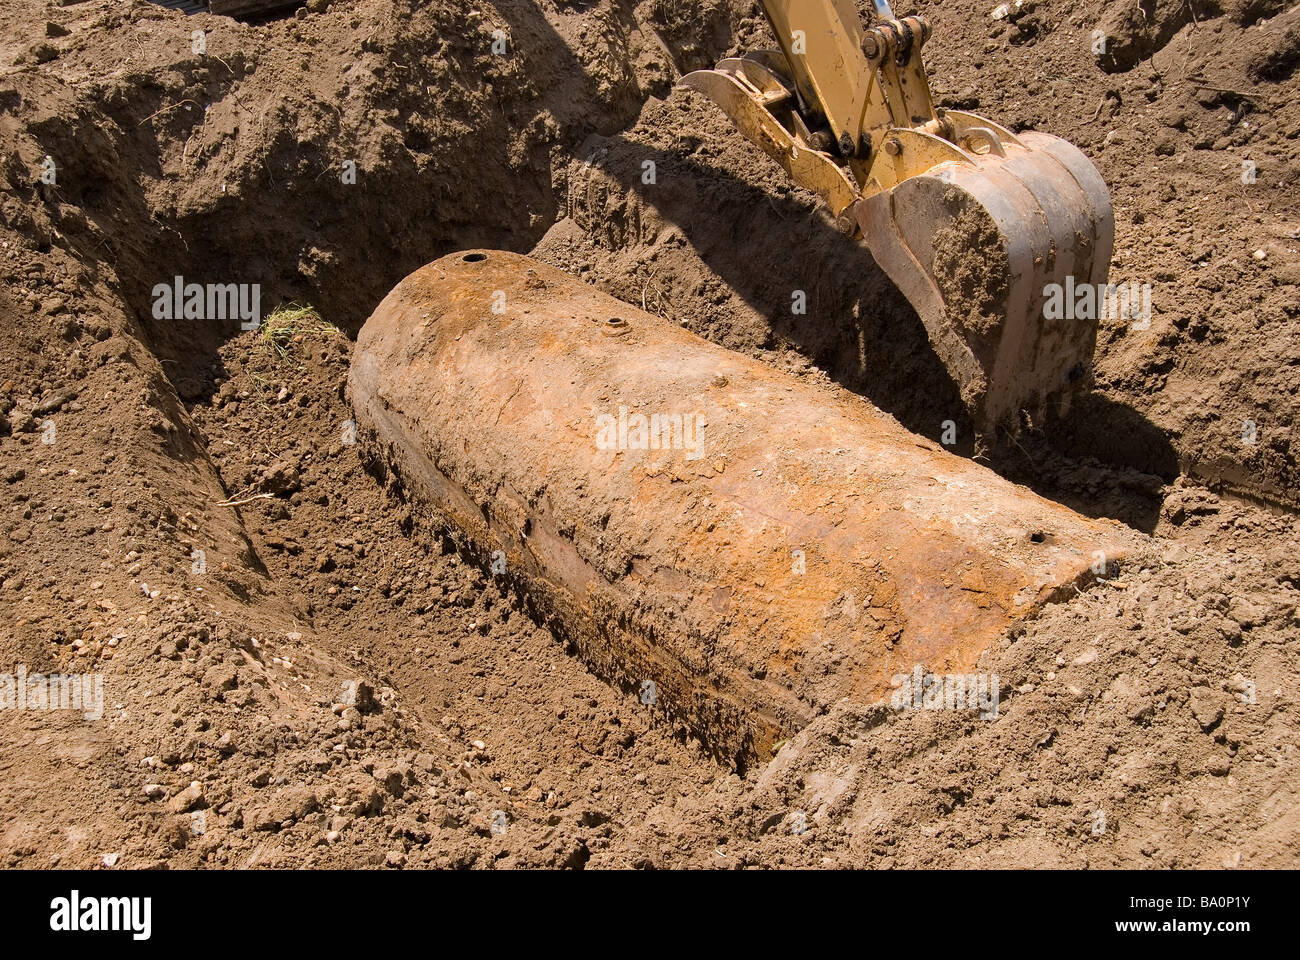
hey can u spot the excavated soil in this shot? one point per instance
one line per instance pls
(301, 668)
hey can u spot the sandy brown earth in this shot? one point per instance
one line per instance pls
(301, 667)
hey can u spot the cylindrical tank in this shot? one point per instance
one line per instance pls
(741, 546)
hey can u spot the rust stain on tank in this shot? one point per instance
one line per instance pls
(803, 547)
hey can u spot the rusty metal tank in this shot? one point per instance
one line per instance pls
(739, 546)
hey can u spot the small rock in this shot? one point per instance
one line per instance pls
(291, 804)
(187, 799)
(281, 478)
(359, 694)
(21, 421)
(1207, 711)
(393, 777)
(1247, 615)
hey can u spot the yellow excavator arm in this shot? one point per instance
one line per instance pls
(974, 224)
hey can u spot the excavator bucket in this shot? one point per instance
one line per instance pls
(976, 247)
(973, 223)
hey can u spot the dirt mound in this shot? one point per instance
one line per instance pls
(299, 667)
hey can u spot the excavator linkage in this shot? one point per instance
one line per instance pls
(973, 223)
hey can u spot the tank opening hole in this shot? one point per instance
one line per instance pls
(474, 257)
(1037, 536)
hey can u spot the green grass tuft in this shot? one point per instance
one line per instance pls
(292, 323)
